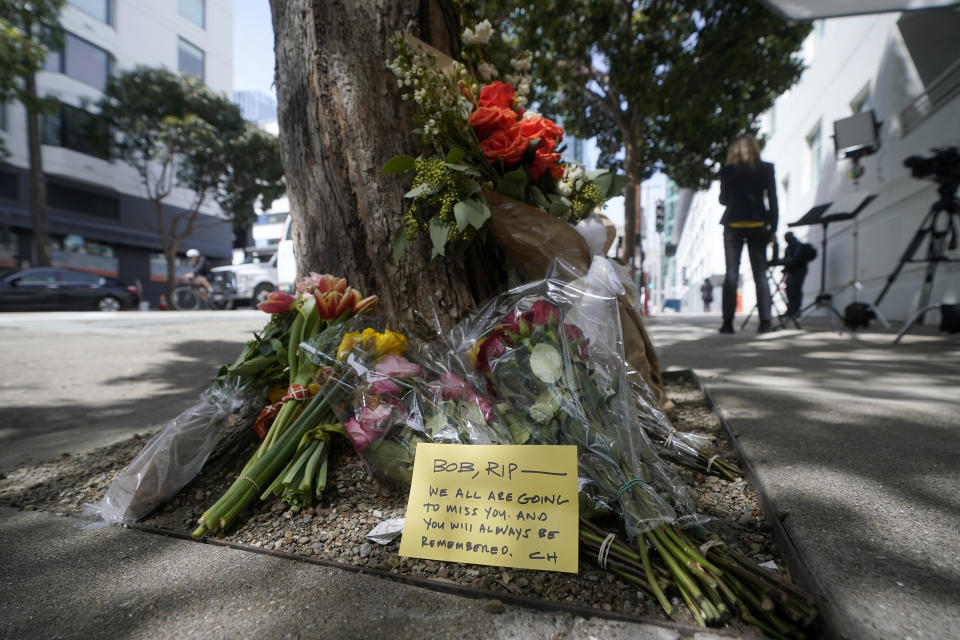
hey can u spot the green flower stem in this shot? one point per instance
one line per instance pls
(679, 575)
(651, 578)
(258, 475)
(698, 616)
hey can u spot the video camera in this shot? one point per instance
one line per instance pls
(944, 165)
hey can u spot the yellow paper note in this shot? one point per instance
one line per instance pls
(502, 505)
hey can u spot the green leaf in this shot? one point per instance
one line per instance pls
(558, 209)
(538, 197)
(462, 168)
(513, 184)
(546, 363)
(593, 174)
(399, 243)
(603, 181)
(416, 192)
(438, 236)
(471, 212)
(456, 155)
(617, 186)
(398, 164)
(473, 187)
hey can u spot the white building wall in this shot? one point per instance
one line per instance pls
(846, 57)
(141, 33)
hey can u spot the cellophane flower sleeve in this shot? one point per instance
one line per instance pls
(174, 456)
(399, 396)
(551, 354)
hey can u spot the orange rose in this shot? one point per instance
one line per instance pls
(507, 144)
(545, 159)
(486, 120)
(543, 128)
(497, 94)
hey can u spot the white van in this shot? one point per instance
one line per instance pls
(286, 260)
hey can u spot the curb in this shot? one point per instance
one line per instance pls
(830, 624)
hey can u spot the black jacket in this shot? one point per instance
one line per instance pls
(742, 191)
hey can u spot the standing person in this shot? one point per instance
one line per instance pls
(796, 257)
(706, 294)
(744, 181)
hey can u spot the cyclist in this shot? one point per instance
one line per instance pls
(201, 270)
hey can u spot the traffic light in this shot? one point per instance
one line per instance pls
(660, 215)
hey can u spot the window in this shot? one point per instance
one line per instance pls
(38, 277)
(193, 10)
(815, 149)
(76, 129)
(67, 198)
(189, 59)
(9, 185)
(99, 9)
(81, 61)
(863, 102)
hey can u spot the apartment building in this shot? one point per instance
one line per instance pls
(99, 218)
(905, 67)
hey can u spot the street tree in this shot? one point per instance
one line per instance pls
(659, 84)
(29, 31)
(341, 119)
(178, 134)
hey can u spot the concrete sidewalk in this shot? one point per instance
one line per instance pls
(857, 442)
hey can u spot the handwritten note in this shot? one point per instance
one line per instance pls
(502, 505)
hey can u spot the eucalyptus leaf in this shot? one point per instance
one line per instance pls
(462, 168)
(603, 181)
(558, 209)
(513, 184)
(398, 164)
(438, 236)
(456, 155)
(617, 186)
(424, 189)
(471, 212)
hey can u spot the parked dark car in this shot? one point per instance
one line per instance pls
(51, 289)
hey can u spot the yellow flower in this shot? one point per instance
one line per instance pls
(474, 352)
(376, 344)
(390, 343)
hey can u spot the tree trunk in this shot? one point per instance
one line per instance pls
(630, 205)
(341, 118)
(40, 241)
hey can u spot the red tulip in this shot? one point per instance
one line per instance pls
(365, 305)
(277, 302)
(327, 304)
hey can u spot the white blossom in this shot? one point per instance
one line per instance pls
(486, 71)
(482, 34)
(564, 188)
(530, 115)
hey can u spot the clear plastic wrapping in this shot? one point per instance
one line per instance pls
(551, 353)
(174, 456)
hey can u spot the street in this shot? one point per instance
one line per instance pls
(72, 382)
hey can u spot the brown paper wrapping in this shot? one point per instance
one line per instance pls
(533, 239)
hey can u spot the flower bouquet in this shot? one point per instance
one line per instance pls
(396, 403)
(291, 459)
(479, 138)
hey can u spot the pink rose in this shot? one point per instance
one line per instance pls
(396, 367)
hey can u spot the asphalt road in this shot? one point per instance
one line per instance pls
(71, 382)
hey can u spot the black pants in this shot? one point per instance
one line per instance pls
(756, 240)
(795, 289)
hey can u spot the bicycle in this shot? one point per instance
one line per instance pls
(193, 296)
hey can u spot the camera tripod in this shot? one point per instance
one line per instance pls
(941, 226)
(777, 287)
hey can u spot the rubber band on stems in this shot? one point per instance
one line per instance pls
(710, 462)
(629, 484)
(605, 550)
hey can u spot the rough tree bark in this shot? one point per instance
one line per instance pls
(341, 118)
